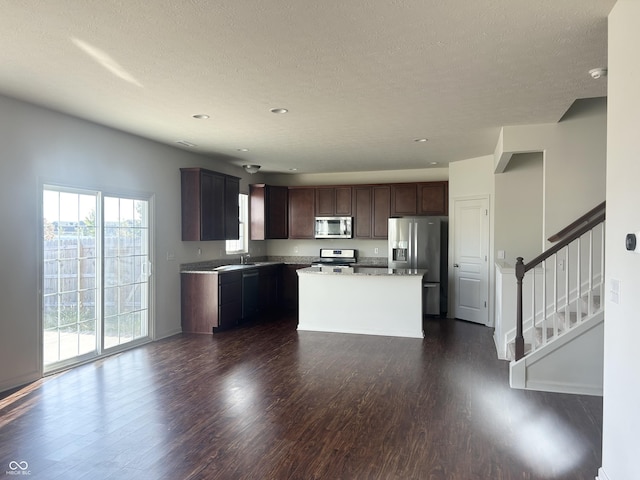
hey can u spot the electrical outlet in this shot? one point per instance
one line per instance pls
(171, 256)
(376, 250)
(199, 251)
(295, 249)
(500, 254)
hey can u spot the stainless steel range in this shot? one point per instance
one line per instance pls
(345, 257)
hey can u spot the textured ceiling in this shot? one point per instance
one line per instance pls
(361, 79)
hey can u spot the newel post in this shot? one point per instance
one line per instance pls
(519, 335)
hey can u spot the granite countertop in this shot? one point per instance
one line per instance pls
(232, 264)
(364, 271)
(228, 268)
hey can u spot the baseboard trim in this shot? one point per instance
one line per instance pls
(169, 334)
(562, 387)
(602, 475)
(20, 380)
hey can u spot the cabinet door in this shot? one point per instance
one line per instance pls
(209, 205)
(404, 199)
(269, 290)
(269, 212)
(258, 211)
(381, 210)
(231, 208)
(229, 299)
(362, 210)
(212, 226)
(277, 212)
(343, 201)
(433, 198)
(325, 201)
(301, 212)
(289, 293)
(191, 203)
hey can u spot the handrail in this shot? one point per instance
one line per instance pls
(522, 268)
(569, 228)
(566, 241)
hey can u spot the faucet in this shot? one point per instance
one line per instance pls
(244, 258)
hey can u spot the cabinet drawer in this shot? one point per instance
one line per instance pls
(230, 277)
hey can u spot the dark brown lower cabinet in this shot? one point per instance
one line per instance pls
(270, 278)
(212, 300)
(290, 285)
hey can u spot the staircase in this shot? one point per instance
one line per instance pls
(558, 343)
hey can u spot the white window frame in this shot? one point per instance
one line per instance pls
(100, 350)
(242, 244)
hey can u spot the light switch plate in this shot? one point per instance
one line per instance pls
(614, 290)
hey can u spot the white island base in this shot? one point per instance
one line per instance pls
(370, 301)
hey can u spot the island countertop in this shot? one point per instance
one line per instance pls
(366, 271)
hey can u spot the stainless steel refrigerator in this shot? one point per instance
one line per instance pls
(421, 242)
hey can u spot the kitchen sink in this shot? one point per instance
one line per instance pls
(236, 266)
(225, 268)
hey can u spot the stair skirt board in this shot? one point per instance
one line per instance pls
(572, 363)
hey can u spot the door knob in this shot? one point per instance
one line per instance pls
(456, 265)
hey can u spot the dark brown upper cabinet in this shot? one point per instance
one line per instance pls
(209, 205)
(381, 196)
(301, 212)
(269, 211)
(433, 198)
(404, 199)
(333, 201)
(371, 208)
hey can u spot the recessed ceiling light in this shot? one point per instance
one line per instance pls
(243, 149)
(278, 110)
(433, 163)
(598, 73)
(293, 169)
(201, 116)
(421, 140)
(184, 143)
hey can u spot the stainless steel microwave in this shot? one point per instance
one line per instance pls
(333, 227)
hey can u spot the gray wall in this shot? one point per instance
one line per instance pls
(39, 145)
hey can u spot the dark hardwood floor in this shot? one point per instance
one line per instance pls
(268, 402)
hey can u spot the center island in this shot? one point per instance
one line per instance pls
(361, 300)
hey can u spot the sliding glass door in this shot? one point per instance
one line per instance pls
(96, 270)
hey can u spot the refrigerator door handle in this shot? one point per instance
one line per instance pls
(414, 254)
(410, 246)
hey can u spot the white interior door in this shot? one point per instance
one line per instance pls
(471, 257)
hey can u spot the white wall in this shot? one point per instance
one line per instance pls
(518, 210)
(574, 160)
(620, 459)
(40, 145)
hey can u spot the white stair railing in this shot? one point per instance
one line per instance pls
(567, 286)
